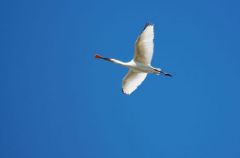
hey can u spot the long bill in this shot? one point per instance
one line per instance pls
(100, 57)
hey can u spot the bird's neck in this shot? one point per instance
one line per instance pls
(118, 62)
(112, 60)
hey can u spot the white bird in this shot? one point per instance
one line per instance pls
(140, 65)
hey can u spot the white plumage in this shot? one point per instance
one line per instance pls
(132, 80)
(140, 66)
(144, 46)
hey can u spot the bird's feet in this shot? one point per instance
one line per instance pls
(167, 74)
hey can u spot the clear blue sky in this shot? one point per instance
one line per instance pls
(58, 101)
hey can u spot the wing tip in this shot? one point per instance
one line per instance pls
(125, 93)
(147, 24)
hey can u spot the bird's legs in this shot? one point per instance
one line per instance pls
(166, 74)
(159, 71)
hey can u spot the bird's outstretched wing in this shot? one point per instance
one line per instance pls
(144, 45)
(132, 80)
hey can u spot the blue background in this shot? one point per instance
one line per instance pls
(58, 101)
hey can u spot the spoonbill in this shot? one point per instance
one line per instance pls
(140, 65)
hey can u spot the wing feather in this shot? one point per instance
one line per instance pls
(132, 80)
(144, 45)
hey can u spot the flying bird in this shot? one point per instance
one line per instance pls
(140, 65)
